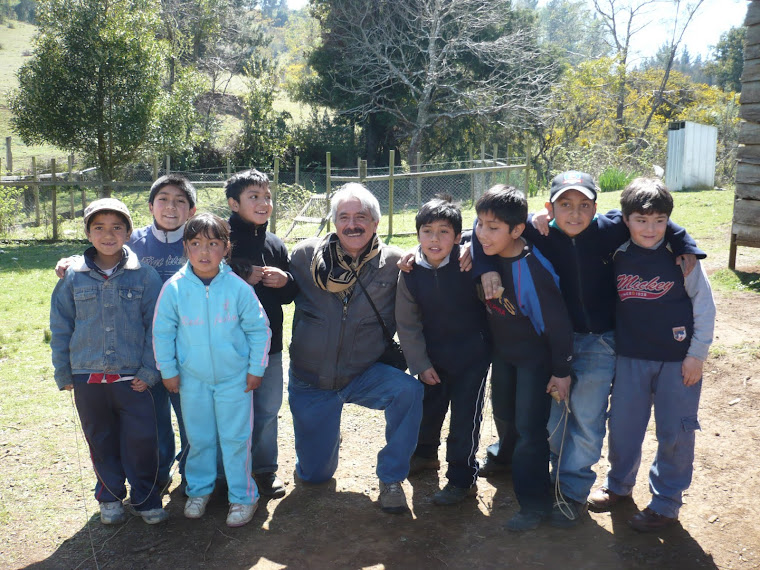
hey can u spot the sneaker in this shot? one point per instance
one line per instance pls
(240, 514)
(112, 513)
(567, 514)
(602, 500)
(491, 467)
(451, 495)
(524, 520)
(270, 485)
(418, 464)
(153, 516)
(650, 521)
(392, 498)
(196, 506)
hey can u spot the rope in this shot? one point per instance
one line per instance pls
(559, 498)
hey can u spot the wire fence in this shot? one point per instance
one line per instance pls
(38, 202)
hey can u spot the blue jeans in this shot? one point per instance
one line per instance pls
(267, 400)
(638, 385)
(163, 402)
(593, 371)
(521, 404)
(316, 421)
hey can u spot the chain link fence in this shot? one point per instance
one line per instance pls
(30, 197)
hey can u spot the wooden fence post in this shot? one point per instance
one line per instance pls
(391, 166)
(362, 170)
(509, 154)
(229, 170)
(36, 190)
(71, 188)
(275, 190)
(155, 168)
(419, 181)
(472, 176)
(495, 161)
(527, 167)
(298, 169)
(8, 155)
(54, 199)
(328, 183)
(168, 164)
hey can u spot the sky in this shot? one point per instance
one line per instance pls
(713, 18)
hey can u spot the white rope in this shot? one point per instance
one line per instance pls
(559, 498)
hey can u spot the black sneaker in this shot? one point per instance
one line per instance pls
(491, 467)
(451, 495)
(419, 464)
(270, 485)
(567, 514)
(524, 521)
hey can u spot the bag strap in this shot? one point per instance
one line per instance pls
(386, 333)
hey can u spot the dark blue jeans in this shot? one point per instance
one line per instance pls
(465, 394)
(164, 402)
(120, 428)
(520, 403)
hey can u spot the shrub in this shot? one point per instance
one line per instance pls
(613, 179)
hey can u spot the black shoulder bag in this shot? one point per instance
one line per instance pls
(393, 355)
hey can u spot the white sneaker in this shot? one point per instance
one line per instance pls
(240, 514)
(196, 506)
(112, 513)
(154, 516)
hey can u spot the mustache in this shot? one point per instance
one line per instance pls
(353, 231)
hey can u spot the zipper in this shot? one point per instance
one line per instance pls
(208, 328)
(580, 286)
(343, 319)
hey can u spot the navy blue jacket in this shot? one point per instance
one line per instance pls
(584, 265)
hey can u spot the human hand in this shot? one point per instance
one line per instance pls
(430, 377)
(691, 369)
(257, 274)
(687, 261)
(68, 387)
(61, 267)
(252, 382)
(541, 221)
(562, 386)
(138, 385)
(491, 282)
(406, 263)
(465, 259)
(274, 277)
(172, 384)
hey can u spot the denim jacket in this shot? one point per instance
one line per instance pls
(103, 325)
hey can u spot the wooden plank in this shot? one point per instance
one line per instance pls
(309, 219)
(749, 152)
(747, 214)
(750, 112)
(749, 132)
(751, 89)
(747, 173)
(752, 17)
(748, 191)
(748, 236)
(752, 52)
(750, 71)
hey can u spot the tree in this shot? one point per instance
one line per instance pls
(572, 28)
(93, 80)
(422, 63)
(727, 63)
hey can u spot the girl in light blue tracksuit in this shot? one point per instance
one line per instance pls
(211, 341)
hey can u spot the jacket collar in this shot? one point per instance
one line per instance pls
(167, 237)
(85, 262)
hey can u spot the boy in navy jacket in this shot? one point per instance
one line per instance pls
(261, 258)
(533, 346)
(664, 327)
(442, 326)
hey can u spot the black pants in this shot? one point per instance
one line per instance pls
(465, 392)
(120, 427)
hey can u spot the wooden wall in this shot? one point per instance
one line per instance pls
(745, 230)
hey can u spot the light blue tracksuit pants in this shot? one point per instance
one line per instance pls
(220, 410)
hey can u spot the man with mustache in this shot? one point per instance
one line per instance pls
(337, 341)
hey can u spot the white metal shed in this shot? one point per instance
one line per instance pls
(691, 155)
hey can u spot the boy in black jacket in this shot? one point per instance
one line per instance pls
(261, 258)
(442, 327)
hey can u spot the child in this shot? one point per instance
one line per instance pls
(444, 333)
(579, 244)
(172, 201)
(100, 319)
(533, 340)
(664, 328)
(211, 343)
(261, 258)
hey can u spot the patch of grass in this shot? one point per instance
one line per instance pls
(614, 179)
(732, 280)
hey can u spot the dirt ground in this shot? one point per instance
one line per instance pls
(339, 524)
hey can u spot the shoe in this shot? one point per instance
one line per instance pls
(418, 464)
(392, 498)
(602, 500)
(112, 513)
(196, 506)
(240, 514)
(270, 485)
(524, 520)
(567, 514)
(153, 516)
(490, 467)
(649, 521)
(451, 495)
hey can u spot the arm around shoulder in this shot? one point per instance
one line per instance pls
(62, 319)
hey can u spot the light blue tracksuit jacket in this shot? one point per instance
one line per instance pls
(212, 336)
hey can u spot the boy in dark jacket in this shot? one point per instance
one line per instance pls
(442, 326)
(533, 346)
(261, 258)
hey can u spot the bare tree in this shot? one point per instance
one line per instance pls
(425, 62)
